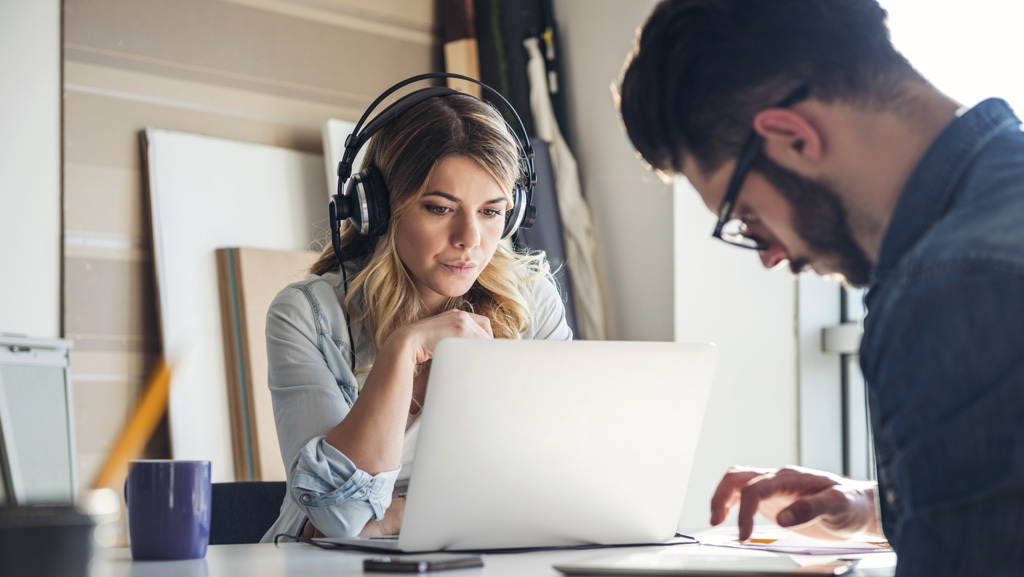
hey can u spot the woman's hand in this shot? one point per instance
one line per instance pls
(389, 524)
(374, 430)
(814, 503)
(422, 336)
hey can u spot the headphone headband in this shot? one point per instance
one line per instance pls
(359, 136)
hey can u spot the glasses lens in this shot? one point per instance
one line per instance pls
(735, 232)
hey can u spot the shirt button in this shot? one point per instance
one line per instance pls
(305, 499)
(890, 496)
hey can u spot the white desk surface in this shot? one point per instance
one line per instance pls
(302, 560)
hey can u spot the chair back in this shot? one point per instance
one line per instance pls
(242, 512)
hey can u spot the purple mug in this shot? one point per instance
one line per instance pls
(168, 509)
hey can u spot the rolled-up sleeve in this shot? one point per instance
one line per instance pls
(338, 497)
(313, 388)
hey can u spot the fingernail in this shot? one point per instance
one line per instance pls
(784, 519)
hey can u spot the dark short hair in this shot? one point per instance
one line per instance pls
(701, 69)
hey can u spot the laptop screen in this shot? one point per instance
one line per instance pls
(530, 443)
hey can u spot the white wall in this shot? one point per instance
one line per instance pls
(664, 276)
(30, 167)
(724, 296)
(632, 209)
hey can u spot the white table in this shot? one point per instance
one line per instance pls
(302, 560)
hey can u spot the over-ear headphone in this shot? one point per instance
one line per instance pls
(364, 199)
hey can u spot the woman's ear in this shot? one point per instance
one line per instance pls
(790, 140)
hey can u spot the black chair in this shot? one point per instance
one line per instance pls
(242, 512)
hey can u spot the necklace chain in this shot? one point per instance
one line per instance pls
(416, 373)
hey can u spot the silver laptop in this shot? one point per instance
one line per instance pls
(531, 443)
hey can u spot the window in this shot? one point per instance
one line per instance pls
(971, 52)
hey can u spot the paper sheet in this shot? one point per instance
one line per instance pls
(790, 543)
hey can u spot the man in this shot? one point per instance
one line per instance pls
(816, 143)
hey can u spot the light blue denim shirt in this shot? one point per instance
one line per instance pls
(943, 354)
(313, 387)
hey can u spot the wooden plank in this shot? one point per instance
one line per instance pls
(460, 46)
(235, 366)
(250, 279)
(460, 57)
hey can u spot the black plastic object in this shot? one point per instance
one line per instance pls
(45, 541)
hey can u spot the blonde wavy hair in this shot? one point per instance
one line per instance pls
(406, 152)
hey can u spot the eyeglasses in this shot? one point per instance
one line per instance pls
(734, 230)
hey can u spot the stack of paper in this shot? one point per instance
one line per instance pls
(790, 543)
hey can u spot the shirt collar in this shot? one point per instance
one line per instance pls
(933, 183)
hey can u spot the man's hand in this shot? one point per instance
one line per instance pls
(814, 503)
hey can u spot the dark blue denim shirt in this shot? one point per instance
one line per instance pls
(943, 354)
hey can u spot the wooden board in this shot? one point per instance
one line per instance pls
(461, 53)
(206, 193)
(250, 278)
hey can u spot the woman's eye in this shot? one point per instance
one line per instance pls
(437, 209)
(493, 212)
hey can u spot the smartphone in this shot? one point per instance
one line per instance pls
(421, 563)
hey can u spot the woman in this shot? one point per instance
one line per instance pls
(350, 348)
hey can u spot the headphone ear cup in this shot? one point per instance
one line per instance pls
(370, 202)
(378, 201)
(514, 217)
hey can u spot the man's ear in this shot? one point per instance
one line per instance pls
(789, 139)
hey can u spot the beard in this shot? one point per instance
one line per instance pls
(821, 221)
